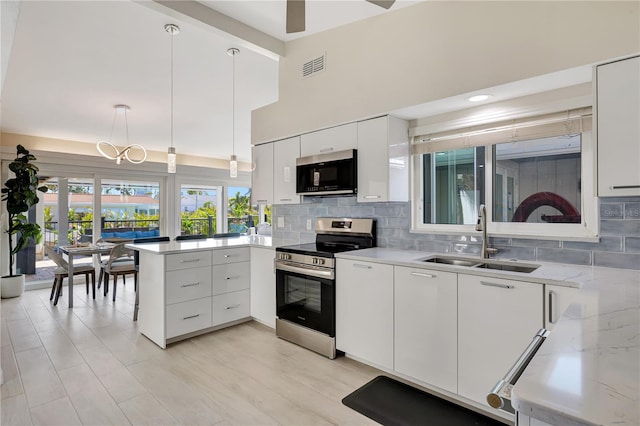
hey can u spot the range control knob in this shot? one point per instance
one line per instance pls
(318, 261)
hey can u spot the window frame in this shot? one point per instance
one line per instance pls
(586, 230)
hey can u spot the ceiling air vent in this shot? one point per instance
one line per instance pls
(313, 66)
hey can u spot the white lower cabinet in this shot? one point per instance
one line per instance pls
(231, 306)
(523, 420)
(426, 325)
(263, 285)
(192, 292)
(188, 284)
(187, 317)
(497, 319)
(556, 300)
(364, 311)
(231, 272)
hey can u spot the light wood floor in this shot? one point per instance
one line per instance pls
(90, 365)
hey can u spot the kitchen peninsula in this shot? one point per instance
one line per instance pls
(196, 286)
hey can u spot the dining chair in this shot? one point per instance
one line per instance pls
(120, 263)
(62, 272)
(103, 262)
(191, 237)
(136, 262)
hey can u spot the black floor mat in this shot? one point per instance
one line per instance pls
(390, 402)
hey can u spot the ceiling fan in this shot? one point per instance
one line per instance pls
(296, 15)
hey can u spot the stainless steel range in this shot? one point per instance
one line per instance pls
(305, 282)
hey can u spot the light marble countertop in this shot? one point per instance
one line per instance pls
(172, 247)
(587, 372)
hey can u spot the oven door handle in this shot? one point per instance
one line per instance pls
(500, 395)
(312, 272)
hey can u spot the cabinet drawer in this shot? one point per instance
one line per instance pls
(189, 260)
(231, 306)
(186, 317)
(188, 284)
(231, 277)
(231, 255)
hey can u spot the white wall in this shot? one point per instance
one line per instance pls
(438, 49)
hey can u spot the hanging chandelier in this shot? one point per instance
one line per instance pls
(110, 151)
(171, 153)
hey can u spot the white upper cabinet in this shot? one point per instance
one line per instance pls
(262, 176)
(285, 153)
(329, 140)
(618, 132)
(383, 160)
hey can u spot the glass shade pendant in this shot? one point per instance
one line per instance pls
(233, 167)
(233, 163)
(172, 29)
(171, 160)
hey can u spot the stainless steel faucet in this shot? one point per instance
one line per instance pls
(482, 226)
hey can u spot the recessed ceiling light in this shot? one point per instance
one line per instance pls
(478, 98)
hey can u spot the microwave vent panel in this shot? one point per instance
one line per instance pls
(314, 66)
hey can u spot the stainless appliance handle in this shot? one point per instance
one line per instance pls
(500, 395)
(312, 272)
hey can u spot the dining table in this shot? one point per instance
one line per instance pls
(76, 250)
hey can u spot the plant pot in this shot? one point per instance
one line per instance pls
(11, 286)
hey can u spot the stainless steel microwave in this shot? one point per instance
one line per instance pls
(328, 174)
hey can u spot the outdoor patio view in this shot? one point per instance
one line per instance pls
(131, 209)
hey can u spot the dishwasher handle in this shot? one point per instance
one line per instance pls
(500, 395)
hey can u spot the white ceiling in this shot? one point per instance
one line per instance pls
(72, 61)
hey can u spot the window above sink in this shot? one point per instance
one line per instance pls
(533, 173)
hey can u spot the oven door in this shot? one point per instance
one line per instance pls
(306, 296)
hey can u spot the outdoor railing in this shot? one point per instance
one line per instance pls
(207, 225)
(82, 230)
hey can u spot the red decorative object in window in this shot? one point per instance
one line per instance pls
(551, 199)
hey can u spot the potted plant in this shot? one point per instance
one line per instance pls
(20, 193)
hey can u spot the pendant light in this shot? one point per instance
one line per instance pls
(109, 150)
(171, 154)
(233, 163)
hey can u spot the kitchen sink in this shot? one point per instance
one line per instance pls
(447, 260)
(481, 263)
(509, 267)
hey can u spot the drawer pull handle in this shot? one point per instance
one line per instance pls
(551, 293)
(226, 256)
(489, 284)
(261, 201)
(232, 307)
(230, 278)
(357, 265)
(191, 316)
(626, 187)
(190, 261)
(421, 274)
(190, 285)
(371, 197)
(285, 199)
(326, 150)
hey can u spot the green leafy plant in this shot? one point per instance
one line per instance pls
(20, 193)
